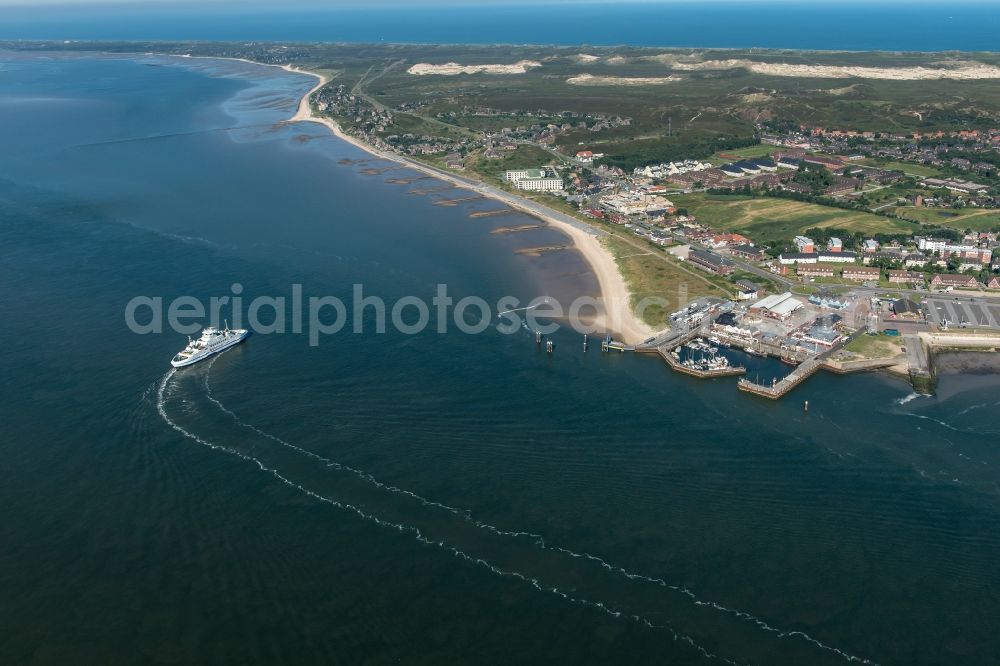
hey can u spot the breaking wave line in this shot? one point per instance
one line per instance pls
(538, 539)
(943, 424)
(530, 307)
(909, 398)
(419, 535)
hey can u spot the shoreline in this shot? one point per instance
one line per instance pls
(617, 316)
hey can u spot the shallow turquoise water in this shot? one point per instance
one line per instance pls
(415, 499)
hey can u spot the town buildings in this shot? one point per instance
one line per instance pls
(538, 180)
(905, 277)
(794, 258)
(777, 306)
(790, 258)
(816, 270)
(962, 186)
(955, 281)
(748, 252)
(711, 262)
(862, 273)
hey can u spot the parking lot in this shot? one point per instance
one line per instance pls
(947, 311)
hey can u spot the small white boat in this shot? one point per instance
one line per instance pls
(211, 342)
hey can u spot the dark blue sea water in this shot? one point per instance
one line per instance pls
(416, 498)
(852, 25)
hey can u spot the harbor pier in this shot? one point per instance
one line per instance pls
(781, 387)
(677, 366)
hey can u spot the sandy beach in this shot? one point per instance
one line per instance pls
(617, 317)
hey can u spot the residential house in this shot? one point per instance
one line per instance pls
(816, 270)
(710, 262)
(837, 257)
(828, 162)
(726, 240)
(748, 290)
(801, 188)
(764, 165)
(946, 280)
(748, 252)
(840, 184)
(790, 258)
(972, 265)
(862, 273)
(905, 277)
(886, 255)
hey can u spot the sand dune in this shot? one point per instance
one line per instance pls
(453, 68)
(591, 80)
(963, 70)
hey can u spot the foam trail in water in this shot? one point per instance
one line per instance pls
(944, 424)
(530, 307)
(972, 407)
(912, 396)
(539, 540)
(419, 536)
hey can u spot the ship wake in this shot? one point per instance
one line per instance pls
(188, 405)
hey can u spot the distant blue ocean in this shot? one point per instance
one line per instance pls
(890, 26)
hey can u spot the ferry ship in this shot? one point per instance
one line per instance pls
(211, 342)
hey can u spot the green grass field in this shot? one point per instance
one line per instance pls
(966, 218)
(525, 157)
(906, 167)
(766, 219)
(876, 346)
(653, 273)
(760, 150)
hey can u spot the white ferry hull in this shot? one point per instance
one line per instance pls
(208, 353)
